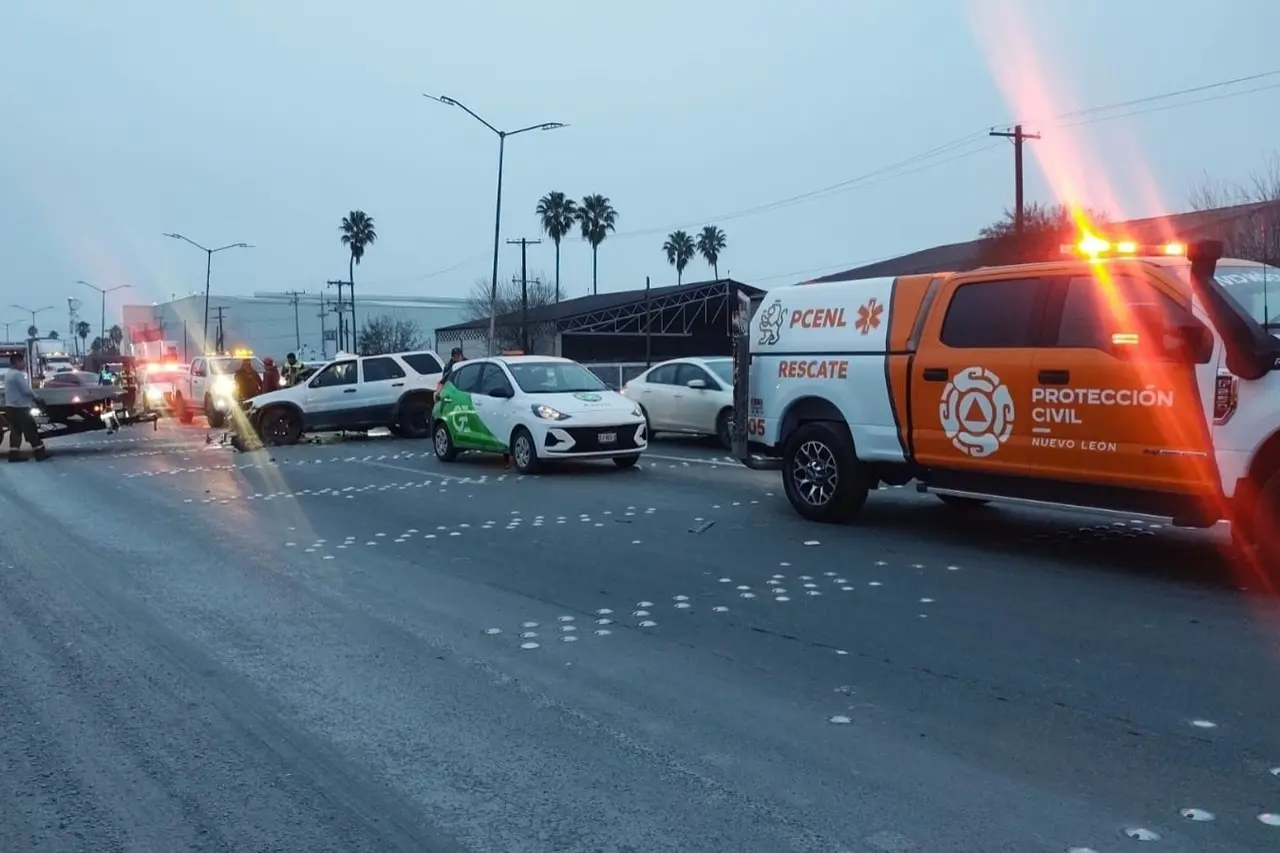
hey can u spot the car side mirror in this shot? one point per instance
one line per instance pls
(502, 393)
(696, 383)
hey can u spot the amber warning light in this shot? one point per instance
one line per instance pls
(1092, 246)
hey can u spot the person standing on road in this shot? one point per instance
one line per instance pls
(292, 367)
(270, 375)
(19, 400)
(248, 383)
(455, 358)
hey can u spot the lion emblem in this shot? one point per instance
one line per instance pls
(771, 324)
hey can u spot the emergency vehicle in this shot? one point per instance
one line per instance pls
(209, 386)
(1142, 380)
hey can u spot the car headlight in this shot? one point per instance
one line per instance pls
(224, 385)
(636, 411)
(547, 413)
(154, 394)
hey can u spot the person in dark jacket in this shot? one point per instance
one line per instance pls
(270, 375)
(455, 358)
(248, 383)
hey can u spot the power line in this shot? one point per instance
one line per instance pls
(1163, 107)
(1221, 84)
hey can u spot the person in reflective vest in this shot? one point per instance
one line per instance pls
(292, 367)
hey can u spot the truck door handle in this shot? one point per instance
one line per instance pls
(348, 390)
(397, 384)
(1054, 377)
(936, 374)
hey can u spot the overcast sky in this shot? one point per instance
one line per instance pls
(265, 121)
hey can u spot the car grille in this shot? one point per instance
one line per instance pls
(587, 439)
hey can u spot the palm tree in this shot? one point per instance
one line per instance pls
(679, 249)
(33, 332)
(82, 332)
(116, 336)
(598, 218)
(558, 214)
(357, 235)
(711, 243)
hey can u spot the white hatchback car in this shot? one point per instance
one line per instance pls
(537, 409)
(689, 395)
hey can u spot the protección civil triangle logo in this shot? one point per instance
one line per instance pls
(977, 412)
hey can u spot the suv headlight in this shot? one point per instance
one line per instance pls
(547, 413)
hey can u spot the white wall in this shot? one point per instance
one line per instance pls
(265, 322)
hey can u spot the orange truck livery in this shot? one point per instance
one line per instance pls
(1142, 380)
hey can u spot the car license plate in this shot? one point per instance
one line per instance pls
(607, 437)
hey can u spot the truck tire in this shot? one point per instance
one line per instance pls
(215, 418)
(1264, 532)
(821, 473)
(182, 410)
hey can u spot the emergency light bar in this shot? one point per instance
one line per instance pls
(1092, 246)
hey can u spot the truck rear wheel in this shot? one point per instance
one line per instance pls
(1264, 532)
(821, 474)
(182, 410)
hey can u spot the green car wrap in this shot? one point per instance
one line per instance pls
(458, 412)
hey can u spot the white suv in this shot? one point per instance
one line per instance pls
(353, 393)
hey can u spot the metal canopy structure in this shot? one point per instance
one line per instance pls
(660, 312)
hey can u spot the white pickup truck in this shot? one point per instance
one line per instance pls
(353, 394)
(210, 387)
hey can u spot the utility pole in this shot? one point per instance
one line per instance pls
(341, 311)
(524, 243)
(220, 343)
(342, 324)
(648, 326)
(1018, 136)
(324, 343)
(297, 329)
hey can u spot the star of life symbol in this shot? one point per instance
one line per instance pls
(771, 324)
(869, 316)
(976, 412)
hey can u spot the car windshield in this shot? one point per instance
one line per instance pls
(1255, 288)
(722, 368)
(554, 377)
(223, 366)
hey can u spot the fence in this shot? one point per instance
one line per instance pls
(616, 374)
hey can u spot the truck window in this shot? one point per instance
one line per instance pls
(381, 368)
(1094, 310)
(994, 314)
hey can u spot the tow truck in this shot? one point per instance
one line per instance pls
(75, 402)
(1141, 380)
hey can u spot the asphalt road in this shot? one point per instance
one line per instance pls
(352, 647)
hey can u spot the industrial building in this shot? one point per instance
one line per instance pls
(277, 323)
(615, 334)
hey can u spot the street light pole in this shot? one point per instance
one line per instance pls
(208, 273)
(102, 318)
(33, 312)
(497, 214)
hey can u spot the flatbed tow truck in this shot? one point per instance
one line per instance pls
(72, 405)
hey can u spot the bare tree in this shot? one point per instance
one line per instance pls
(541, 292)
(387, 333)
(1255, 234)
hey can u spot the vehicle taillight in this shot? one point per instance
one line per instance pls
(1226, 392)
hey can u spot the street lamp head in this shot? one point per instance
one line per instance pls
(174, 236)
(552, 125)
